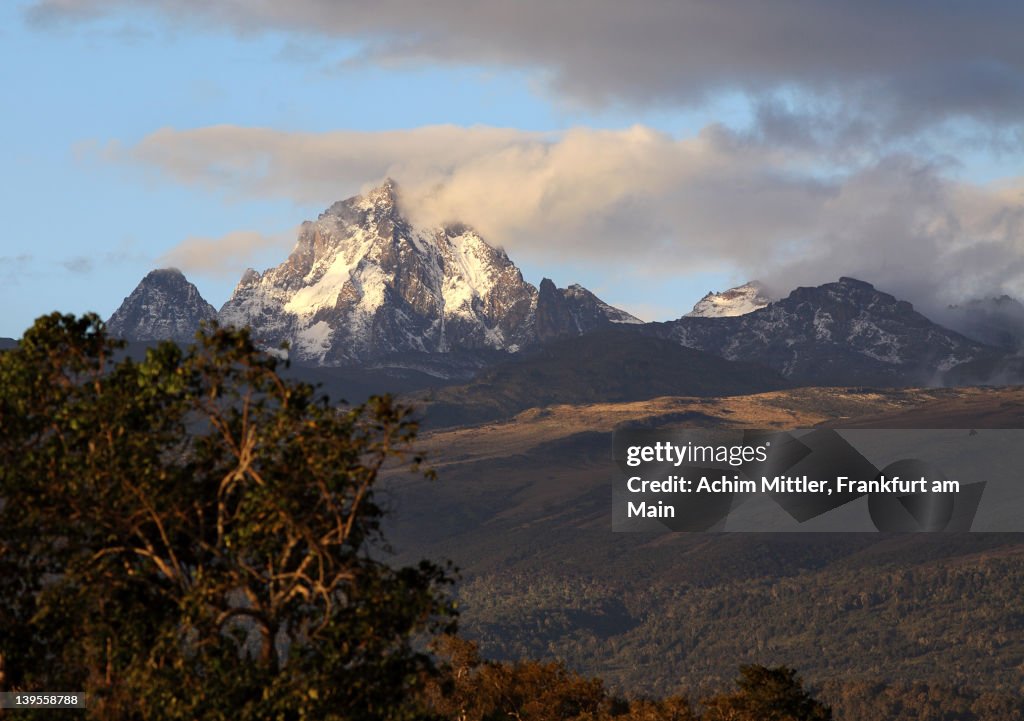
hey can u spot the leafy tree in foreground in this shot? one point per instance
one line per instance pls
(188, 536)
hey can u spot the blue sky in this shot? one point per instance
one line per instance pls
(753, 183)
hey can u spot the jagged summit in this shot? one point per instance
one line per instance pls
(740, 300)
(380, 202)
(163, 306)
(573, 311)
(362, 282)
(384, 195)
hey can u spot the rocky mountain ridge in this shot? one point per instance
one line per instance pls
(363, 283)
(364, 287)
(842, 333)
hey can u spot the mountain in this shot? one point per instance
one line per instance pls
(365, 287)
(363, 282)
(843, 333)
(740, 300)
(164, 306)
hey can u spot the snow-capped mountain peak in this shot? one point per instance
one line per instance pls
(736, 301)
(362, 281)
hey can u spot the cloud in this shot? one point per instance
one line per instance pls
(903, 225)
(522, 189)
(634, 200)
(897, 67)
(307, 167)
(225, 255)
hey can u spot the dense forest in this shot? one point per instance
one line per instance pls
(867, 623)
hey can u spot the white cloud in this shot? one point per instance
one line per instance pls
(226, 255)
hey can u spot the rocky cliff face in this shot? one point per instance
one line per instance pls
(164, 306)
(573, 311)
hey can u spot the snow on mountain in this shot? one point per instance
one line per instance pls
(362, 282)
(740, 300)
(164, 306)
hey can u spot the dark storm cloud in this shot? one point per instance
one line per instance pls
(892, 66)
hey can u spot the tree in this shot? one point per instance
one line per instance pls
(766, 694)
(193, 536)
(473, 689)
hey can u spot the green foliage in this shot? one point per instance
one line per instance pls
(190, 536)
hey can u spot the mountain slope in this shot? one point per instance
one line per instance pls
(164, 306)
(363, 282)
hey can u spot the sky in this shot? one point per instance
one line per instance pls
(651, 151)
